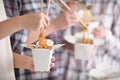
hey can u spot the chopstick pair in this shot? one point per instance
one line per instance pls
(80, 20)
(47, 7)
(46, 11)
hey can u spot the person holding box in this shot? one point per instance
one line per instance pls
(56, 24)
(30, 22)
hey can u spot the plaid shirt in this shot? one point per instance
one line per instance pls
(67, 68)
(109, 52)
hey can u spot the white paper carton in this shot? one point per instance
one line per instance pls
(83, 51)
(42, 57)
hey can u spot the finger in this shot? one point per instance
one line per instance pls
(47, 20)
(97, 35)
(96, 30)
(44, 24)
(53, 59)
(41, 22)
(44, 20)
(52, 64)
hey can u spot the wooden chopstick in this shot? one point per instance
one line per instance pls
(57, 6)
(49, 1)
(41, 5)
(41, 9)
(66, 5)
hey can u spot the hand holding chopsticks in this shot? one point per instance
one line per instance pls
(46, 20)
(41, 39)
(69, 9)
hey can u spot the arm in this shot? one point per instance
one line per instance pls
(26, 62)
(6, 29)
(62, 21)
(22, 61)
(31, 21)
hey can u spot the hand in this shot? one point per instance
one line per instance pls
(67, 18)
(30, 65)
(64, 20)
(34, 21)
(26, 62)
(99, 32)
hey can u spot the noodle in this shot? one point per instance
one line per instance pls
(86, 19)
(42, 41)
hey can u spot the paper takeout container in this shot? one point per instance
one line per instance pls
(83, 51)
(42, 57)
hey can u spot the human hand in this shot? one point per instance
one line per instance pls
(67, 18)
(26, 62)
(34, 21)
(30, 65)
(99, 32)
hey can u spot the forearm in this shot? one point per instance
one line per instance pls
(9, 26)
(21, 61)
